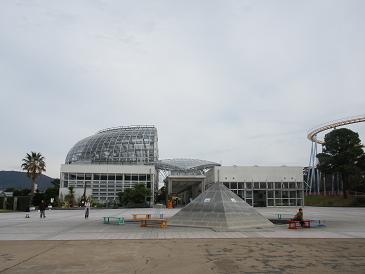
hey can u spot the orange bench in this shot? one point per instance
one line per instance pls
(297, 224)
(153, 221)
(138, 217)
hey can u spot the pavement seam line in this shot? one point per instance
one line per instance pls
(31, 257)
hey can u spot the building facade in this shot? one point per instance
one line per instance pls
(111, 161)
(262, 186)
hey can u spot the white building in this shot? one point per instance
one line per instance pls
(103, 182)
(262, 186)
(111, 161)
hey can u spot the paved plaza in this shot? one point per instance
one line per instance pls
(64, 242)
(224, 256)
(71, 225)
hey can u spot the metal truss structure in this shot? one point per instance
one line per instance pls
(313, 175)
(121, 145)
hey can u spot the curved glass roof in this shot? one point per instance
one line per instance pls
(121, 145)
(184, 164)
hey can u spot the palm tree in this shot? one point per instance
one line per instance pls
(34, 165)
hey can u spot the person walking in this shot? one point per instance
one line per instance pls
(87, 209)
(42, 209)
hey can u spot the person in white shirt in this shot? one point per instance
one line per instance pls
(87, 209)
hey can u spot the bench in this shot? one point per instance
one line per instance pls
(283, 216)
(297, 224)
(153, 221)
(116, 220)
(138, 217)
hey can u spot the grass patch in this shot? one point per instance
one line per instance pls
(335, 201)
(5, 210)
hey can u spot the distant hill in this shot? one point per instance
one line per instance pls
(19, 180)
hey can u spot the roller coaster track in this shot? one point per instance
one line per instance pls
(312, 135)
(313, 182)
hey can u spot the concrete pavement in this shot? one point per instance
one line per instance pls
(71, 225)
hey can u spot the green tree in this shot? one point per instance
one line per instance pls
(37, 198)
(161, 195)
(342, 153)
(70, 197)
(34, 165)
(51, 192)
(134, 196)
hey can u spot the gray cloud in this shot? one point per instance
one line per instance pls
(238, 82)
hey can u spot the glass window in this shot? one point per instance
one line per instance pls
(300, 185)
(277, 194)
(96, 176)
(248, 185)
(119, 177)
(233, 185)
(278, 202)
(293, 194)
(249, 201)
(103, 177)
(248, 194)
(240, 185)
(72, 176)
(292, 185)
(65, 176)
(299, 194)
(241, 193)
(111, 177)
(127, 177)
(148, 177)
(285, 202)
(226, 184)
(285, 194)
(278, 185)
(256, 185)
(270, 194)
(285, 185)
(134, 177)
(88, 176)
(142, 177)
(65, 184)
(263, 185)
(270, 202)
(269, 185)
(80, 176)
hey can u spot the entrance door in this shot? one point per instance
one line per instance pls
(259, 198)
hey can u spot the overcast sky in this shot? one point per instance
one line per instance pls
(236, 82)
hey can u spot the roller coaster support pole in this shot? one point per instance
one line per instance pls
(308, 182)
(312, 167)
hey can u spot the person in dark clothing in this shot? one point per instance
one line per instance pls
(42, 208)
(299, 217)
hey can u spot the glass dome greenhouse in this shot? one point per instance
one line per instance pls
(121, 145)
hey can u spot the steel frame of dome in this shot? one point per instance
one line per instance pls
(120, 145)
(314, 177)
(181, 164)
